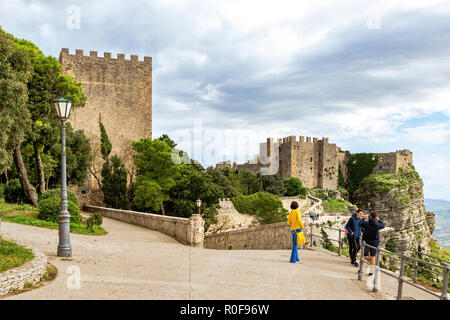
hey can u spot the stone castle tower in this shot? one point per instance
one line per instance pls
(119, 95)
(314, 161)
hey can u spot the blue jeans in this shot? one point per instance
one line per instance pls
(294, 254)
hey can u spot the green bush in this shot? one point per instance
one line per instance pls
(294, 187)
(50, 207)
(13, 192)
(266, 206)
(50, 193)
(334, 205)
(344, 193)
(97, 218)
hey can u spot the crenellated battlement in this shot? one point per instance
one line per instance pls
(293, 141)
(79, 53)
(314, 161)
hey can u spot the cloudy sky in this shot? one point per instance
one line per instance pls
(373, 77)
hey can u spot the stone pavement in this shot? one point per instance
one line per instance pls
(132, 262)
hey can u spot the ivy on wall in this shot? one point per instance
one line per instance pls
(359, 166)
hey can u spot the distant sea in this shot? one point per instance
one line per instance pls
(442, 210)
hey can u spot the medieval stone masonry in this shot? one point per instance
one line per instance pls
(314, 161)
(119, 93)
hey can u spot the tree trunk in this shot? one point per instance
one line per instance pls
(162, 209)
(29, 192)
(96, 178)
(40, 168)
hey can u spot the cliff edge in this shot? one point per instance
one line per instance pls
(398, 200)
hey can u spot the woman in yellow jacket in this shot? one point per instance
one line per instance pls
(295, 221)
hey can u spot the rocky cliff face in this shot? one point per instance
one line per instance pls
(398, 200)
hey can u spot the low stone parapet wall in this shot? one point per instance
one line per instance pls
(28, 273)
(276, 236)
(187, 231)
(270, 236)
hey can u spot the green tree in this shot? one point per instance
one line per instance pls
(227, 179)
(46, 83)
(114, 175)
(169, 141)
(272, 184)
(78, 157)
(249, 182)
(294, 187)
(266, 206)
(15, 119)
(192, 184)
(114, 183)
(156, 173)
(359, 166)
(105, 143)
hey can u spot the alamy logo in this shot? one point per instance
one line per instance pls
(74, 18)
(74, 277)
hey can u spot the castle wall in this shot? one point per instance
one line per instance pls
(387, 163)
(343, 157)
(119, 93)
(392, 161)
(316, 162)
(403, 158)
(328, 160)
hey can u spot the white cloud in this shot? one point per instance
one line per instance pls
(276, 68)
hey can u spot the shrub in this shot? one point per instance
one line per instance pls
(50, 207)
(294, 187)
(114, 183)
(13, 192)
(333, 205)
(97, 218)
(51, 193)
(272, 184)
(266, 206)
(344, 193)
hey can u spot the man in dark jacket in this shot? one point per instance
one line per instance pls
(371, 226)
(354, 233)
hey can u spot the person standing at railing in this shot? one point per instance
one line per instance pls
(353, 234)
(296, 223)
(371, 226)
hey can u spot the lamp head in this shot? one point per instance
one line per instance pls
(199, 202)
(62, 107)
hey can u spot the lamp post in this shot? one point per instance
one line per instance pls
(199, 204)
(62, 106)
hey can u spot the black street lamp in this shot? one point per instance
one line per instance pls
(62, 107)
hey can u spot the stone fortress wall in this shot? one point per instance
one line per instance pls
(314, 161)
(119, 95)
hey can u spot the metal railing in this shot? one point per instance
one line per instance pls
(405, 260)
(339, 241)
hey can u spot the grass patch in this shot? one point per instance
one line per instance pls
(13, 255)
(334, 205)
(11, 207)
(25, 214)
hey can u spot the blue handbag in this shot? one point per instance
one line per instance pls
(298, 230)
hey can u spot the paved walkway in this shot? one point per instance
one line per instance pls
(135, 263)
